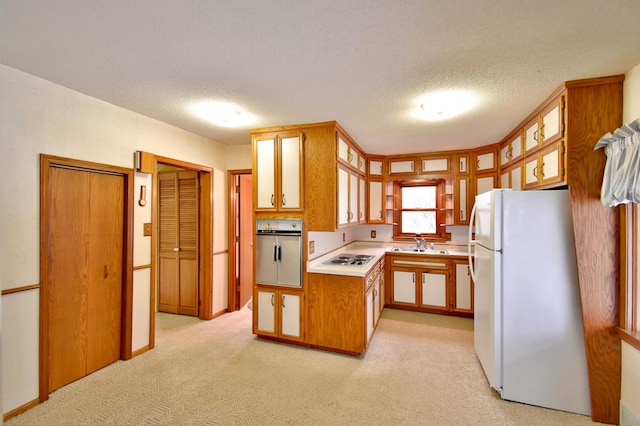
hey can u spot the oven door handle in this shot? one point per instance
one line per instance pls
(279, 253)
(275, 252)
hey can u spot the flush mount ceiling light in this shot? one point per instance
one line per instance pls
(223, 114)
(443, 105)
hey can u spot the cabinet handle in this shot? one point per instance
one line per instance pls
(542, 170)
(477, 164)
(272, 202)
(283, 305)
(380, 168)
(380, 216)
(461, 214)
(542, 133)
(284, 201)
(413, 277)
(106, 272)
(510, 153)
(535, 136)
(273, 299)
(535, 171)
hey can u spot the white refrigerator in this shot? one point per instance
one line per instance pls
(528, 332)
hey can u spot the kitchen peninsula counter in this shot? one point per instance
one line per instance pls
(377, 250)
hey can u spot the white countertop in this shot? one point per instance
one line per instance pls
(377, 250)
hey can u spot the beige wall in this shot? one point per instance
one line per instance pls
(630, 356)
(37, 116)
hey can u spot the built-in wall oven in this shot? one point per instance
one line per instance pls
(279, 252)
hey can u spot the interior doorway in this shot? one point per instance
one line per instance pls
(204, 266)
(178, 242)
(241, 234)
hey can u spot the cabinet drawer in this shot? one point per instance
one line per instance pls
(429, 263)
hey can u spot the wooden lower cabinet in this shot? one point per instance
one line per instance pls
(430, 284)
(342, 311)
(278, 313)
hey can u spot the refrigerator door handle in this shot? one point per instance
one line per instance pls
(471, 242)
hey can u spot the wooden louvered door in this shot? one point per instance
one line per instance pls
(178, 236)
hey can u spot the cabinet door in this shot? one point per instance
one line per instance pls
(531, 171)
(516, 178)
(463, 161)
(531, 135)
(434, 289)
(505, 151)
(485, 161)
(369, 303)
(343, 196)
(354, 158)
(353, 197)
(377, 307)
(375, 168)
(401, 166)
(516, 147)
(551, 123)
(505, 179)
(266, 173)
(362, 191)
(266, 312)
(462, 201)
(343, 150)
(404, 287)
(291, 171)
(484, 184)
(362, 164)
(551, 164)
(375, 201)
(290, 315)
(435, 165)
(463, 289)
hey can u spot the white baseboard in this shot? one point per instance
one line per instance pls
(628, 417)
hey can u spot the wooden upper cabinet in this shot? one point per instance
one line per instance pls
(402, 166)
(376, 199)
(376, 167)
(511, 149)
(545, 167)
(347, 153)
(439, 164)
(546, 127)
(343, 150)
(462, 163)
(485, 159)
(278, 171)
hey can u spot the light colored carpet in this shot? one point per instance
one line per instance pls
(419, 369)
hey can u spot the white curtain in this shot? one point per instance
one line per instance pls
(621, 181)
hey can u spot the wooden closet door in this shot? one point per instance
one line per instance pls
(85, 239)
(178, 235)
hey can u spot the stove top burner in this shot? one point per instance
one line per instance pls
(350, 260)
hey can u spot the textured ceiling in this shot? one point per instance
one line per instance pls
(362, 63)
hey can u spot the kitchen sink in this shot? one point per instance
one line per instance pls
(422, 251)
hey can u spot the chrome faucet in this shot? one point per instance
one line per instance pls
(420, 242)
